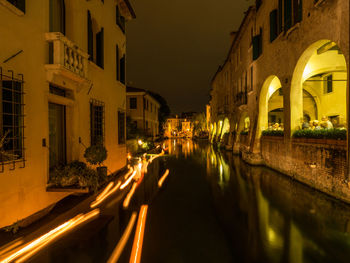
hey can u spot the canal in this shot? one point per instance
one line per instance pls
(213, 207)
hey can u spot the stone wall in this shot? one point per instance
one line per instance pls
(316, 163)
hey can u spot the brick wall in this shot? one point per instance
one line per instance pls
(320, 165)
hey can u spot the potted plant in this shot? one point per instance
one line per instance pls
(95, 155)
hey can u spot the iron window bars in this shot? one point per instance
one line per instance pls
(11, 120)
(97, 122)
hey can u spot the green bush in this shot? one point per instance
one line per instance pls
(75, 174)
(272, 133)
(336, 134)
(95, 154)
(244, 132)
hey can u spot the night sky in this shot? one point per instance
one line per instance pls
(175, 47)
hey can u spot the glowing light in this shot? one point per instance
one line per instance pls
(123, 240)
(105, 191)
(10, 246)
(140, 142)
(129, 156)
(128, 181)
(129, 196)
(27, 251)
(138, 239)
(99, 201)
(161, 180)
(129, 172)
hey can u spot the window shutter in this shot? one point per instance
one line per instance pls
(122, 70)
(280, 16)
(273, 25)
(90, 38)
(300, 11)
(99, 48)
(255, 47)
(117, 62)
(287, 14)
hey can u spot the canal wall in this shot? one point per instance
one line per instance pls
(320, 165)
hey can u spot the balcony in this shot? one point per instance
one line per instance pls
(67, 62)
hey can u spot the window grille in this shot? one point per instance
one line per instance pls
(133, 103)
(11, 120)
(97, 120)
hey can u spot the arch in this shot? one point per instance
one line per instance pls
(319, 60)
(225, 127)
(270, 86)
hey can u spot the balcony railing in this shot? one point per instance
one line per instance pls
(64, 53)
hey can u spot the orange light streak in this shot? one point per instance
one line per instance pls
(129, 172)
(130, 194)
(161, 180)
(10, 246)
(105, 191)
(34, 246)
(128, 181)
(123, 240)
(138, 239)
(97, 202)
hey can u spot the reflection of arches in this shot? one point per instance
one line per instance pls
(226, 127)
(271, 85)
(314, 65)
(214, 130)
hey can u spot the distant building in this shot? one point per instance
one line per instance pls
(176, 127)
(62, 75)
(142, 111)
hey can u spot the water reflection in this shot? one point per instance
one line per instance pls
(267, 216)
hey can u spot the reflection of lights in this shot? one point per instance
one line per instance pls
(10, 246)
(99, 201)
(161, 180)
(129, 172)
(129, 156)
(128, 181)
(221, 169)
(140, 142)
(138, 240)
(109, 186)
(33, 247)
(271, 235)
(123, 240)
(130, 194)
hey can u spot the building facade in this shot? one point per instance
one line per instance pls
(287, 69)
(62, 86)
(143, 111)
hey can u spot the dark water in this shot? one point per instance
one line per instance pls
(215, 208)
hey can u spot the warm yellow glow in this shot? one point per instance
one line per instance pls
(125, 184)
(138, 239)
(105, 191)
(128, 173)
(140, 142)
(161, 180)
(129, 196)
(123, 240)
(104, 197)
(33, 247)
(10, 246)
(129, 156)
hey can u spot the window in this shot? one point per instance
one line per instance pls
(121, 127)
(251, 78)
(120, 20)
(328, 83)
(57, 16)
(133, 103)
(96, 122)
(100, 49)
(20, 4)
(151, 106)
(11, 119)
(293, 11)
(258, 4)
